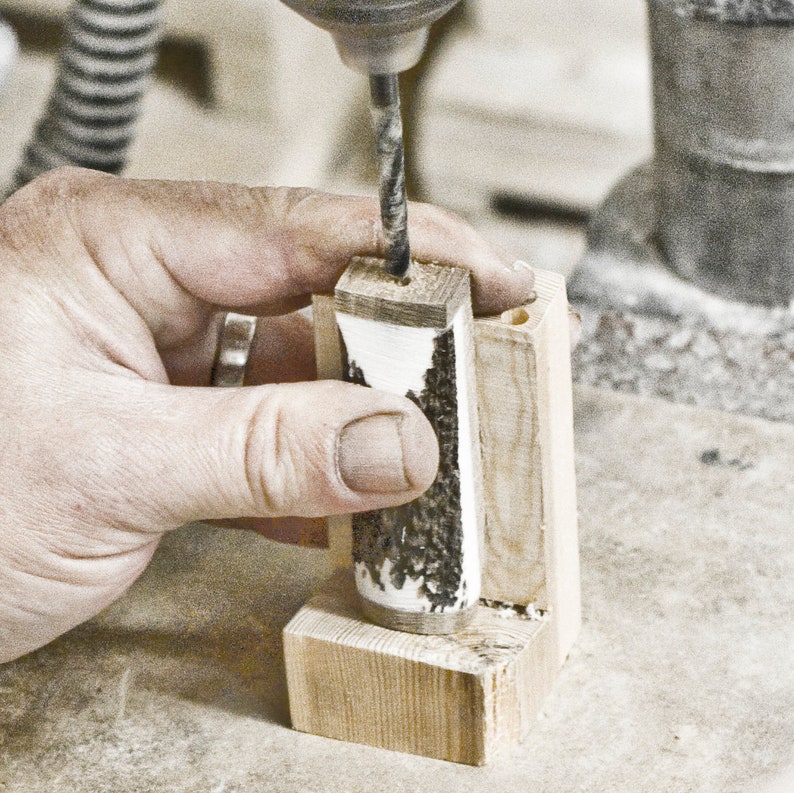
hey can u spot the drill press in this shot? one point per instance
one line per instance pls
(417, 567)
(381, 38)
(497, 392)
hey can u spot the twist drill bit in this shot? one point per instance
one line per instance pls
(385, 92)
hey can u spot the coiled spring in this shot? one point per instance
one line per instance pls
(106, 64)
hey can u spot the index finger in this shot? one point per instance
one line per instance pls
(263, 250)
(179, 251)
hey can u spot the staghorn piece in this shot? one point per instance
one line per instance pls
(418, 565)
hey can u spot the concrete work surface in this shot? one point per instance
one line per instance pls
(682, 679)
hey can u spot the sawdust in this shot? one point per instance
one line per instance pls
(689, 361)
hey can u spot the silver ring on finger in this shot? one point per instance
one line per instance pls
(234, 347)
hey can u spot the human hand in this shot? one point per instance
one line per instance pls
(110, 297)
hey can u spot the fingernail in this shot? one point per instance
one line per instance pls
(373, 455)
(370, 455)
(523, 271)
(520, 266)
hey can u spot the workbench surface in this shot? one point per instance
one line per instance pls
(682, 678)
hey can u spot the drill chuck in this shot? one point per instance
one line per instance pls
(375, 36)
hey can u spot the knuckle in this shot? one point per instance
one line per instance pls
(284, 204)
(294, 210)
(273, 459)
(39, 211)
(61, 185)
(296, 198)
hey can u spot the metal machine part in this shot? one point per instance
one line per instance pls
(106, 65)
(686, 289)
(647, 330)
(234, 347)
(375, 36)
(381, 38)
(723, 82)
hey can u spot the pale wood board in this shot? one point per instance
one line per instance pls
(555, 423)
(463, 697)
(507, 386)
(526, 419)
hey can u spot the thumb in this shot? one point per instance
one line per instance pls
(300, 449)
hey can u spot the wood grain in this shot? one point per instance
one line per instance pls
(526, 420)
(430, 299)
(328, 353)
(463, 697)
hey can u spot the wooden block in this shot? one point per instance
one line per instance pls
(328, 353)
(526, 422)
(418, 565)
(463, 697)
(327, 343)
(548, 123)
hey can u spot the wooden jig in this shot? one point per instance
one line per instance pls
(418, 566)
(467, 695)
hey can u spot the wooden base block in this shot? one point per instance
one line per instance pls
(462, 697)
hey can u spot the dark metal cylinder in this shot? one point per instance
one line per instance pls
(387, 121)
(723, 82)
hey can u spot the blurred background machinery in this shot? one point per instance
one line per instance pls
(535, 121)
(247, 91)
(235, 95)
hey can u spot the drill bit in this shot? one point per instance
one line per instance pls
(385, 92)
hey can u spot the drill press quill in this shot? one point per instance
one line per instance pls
(381, 38)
